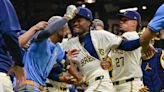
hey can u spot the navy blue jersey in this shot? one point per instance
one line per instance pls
(153, 72)
(9, 26)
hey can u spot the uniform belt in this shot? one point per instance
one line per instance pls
(124, 81)
(49, 85)
(63, 88)
(99, 77)
(30, 82)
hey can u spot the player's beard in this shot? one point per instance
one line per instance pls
(60, 38)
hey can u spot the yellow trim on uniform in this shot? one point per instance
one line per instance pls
(156, 38)
(162, 59)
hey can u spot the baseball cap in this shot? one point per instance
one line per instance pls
(131, 15)
(98, 22)
(85, 12)
(54, 18)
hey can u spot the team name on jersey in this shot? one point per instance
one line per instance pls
(86, 60)
(101, 51)
(118, 51)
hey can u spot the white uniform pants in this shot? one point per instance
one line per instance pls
(131, 86)
(5, 83)
(58, 87)
(103, 85)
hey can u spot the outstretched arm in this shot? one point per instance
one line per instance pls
(155, 25)
(55, 26)
(25, 38)
(51, 29)
(129, 45)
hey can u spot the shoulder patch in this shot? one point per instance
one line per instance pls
(162, 59)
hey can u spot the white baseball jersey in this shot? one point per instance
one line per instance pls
(126, 64)
(90, 67)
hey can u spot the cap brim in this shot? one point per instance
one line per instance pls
(121, 16)
(80, 16)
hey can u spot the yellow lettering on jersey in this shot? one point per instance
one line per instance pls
(147, 67)
(86, 60)
(162, 59)
(101, 51)
(118, 51)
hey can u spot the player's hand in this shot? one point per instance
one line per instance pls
(27, 45)
(144, 89)
(149, 53)
(19, 73)
(72, 53)
(71, 11)
(65, 78)
(106, 63)
(39, 26)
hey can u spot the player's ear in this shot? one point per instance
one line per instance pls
(89, 23)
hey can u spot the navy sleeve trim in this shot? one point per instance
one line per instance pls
(51, 29)
(129, 45)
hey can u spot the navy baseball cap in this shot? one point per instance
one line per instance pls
(131, 15)
(85, 12)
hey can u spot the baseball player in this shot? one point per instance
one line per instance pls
(44, 52)
(127, 73)
(9, 26)
(94, 46)
(59, 80)
(153, 69)
(155, 25)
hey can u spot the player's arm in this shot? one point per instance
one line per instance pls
(115, 42)
(54, 74)
(155, 25)
(25, 38)
(57, 75)
(146, 37)
(129, 45)
(54, 26)
(73, 71)
(70, 66)
(51, 29)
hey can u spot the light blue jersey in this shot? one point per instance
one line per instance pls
(40, 58)
(157, 23)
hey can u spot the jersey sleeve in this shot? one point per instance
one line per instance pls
(157, 23)
(111, 40)
(130, 35)
(8, 17)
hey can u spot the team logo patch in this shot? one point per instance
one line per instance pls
(147, 67)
